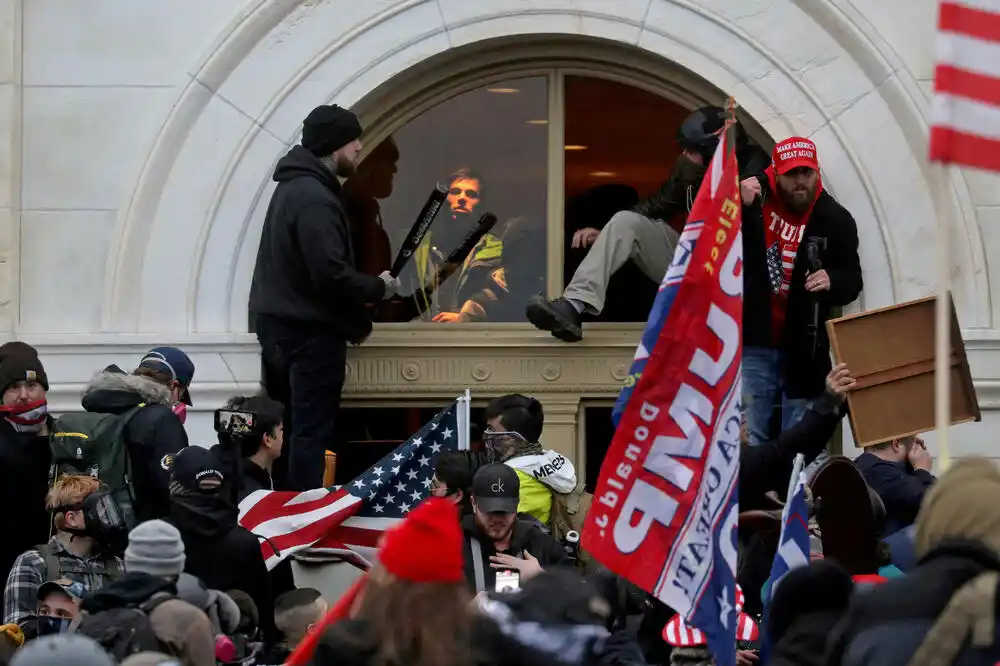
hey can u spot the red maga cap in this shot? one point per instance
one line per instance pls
(794, 152)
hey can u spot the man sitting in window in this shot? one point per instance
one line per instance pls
(641, 234)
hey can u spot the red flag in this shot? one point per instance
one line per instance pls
(965, 121)
(665, 509)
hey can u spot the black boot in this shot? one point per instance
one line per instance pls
(558, 316)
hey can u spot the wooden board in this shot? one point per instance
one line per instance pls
(890, 351)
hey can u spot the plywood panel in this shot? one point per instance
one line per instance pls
(891, 353)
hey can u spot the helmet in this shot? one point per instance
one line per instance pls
(62, 649)
(698, 132)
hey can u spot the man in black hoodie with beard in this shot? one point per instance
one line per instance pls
(222, 554)
(307, 298)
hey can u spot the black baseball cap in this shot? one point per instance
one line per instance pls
(196, 468)
(496, 489)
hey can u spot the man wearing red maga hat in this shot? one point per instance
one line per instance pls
(800, 254)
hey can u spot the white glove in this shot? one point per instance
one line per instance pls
(391, 285)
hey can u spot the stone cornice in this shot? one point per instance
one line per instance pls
(413, 363)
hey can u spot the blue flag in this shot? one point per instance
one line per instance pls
(793, 544)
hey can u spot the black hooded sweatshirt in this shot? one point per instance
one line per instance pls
(153, 436)
(222, 554)
(24, 481)
(305, 269)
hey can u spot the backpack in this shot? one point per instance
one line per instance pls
(94, 444)
(568, 513)
(125, 631)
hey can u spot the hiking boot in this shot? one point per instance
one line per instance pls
(558, 316)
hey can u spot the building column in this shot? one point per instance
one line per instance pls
(10, 161)
(561, 421)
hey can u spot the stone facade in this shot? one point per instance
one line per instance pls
(134, 168)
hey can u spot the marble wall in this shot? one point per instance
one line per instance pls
(136, 140)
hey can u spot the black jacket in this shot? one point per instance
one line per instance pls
(24, 480)
(527, 537)
(900, 487)
(305, 262)
(674, 196)
(804, 373)
(886, 625)
(222, 554)
(768, 466)
(254, 478)
(153, 436)
(347, 644)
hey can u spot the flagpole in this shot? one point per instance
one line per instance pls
(942, 323)
(464, 420)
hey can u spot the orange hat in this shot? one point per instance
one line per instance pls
(427, 546)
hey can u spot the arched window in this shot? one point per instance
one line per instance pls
(549, 154)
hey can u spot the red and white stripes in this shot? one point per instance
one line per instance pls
(965, 121)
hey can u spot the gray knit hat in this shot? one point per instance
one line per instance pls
(155, 547)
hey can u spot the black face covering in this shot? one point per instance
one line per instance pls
(50, 624)
(687, 174)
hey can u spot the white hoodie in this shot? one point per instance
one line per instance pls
(549, 467)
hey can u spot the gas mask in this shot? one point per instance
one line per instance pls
(27, 417)
(103, 520)
(51, 624)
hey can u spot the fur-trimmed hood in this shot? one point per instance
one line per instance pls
(115, 392)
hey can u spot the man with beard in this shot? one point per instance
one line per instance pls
(308, 299)
(495, 539)
(642, 234)
(790, 221)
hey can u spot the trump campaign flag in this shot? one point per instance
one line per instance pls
(349, 520)
(965, 117)
(665, 508)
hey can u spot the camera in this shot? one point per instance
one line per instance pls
(234, 422)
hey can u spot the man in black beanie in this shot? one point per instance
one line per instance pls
(307, 299)
(24, 451)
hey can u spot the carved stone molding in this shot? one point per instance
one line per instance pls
(514, 359)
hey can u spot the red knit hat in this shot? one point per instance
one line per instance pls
(427, 546)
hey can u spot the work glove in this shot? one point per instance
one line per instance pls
(391, 285)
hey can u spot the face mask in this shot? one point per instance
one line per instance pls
(29, 417)
(50, 624)
(687, 173)
(180, 410)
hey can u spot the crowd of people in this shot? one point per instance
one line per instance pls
(124, 544)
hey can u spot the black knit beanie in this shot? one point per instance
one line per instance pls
(19, 362)
(328, 128)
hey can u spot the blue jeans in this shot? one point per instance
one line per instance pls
(763, 383)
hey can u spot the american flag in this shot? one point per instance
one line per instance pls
(965, 122)
(793, 544)
(349, 520)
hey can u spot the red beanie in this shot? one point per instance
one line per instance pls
(427, 546)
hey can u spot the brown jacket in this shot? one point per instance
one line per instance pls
(185, 631)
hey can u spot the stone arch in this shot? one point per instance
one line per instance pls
(202, 192)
